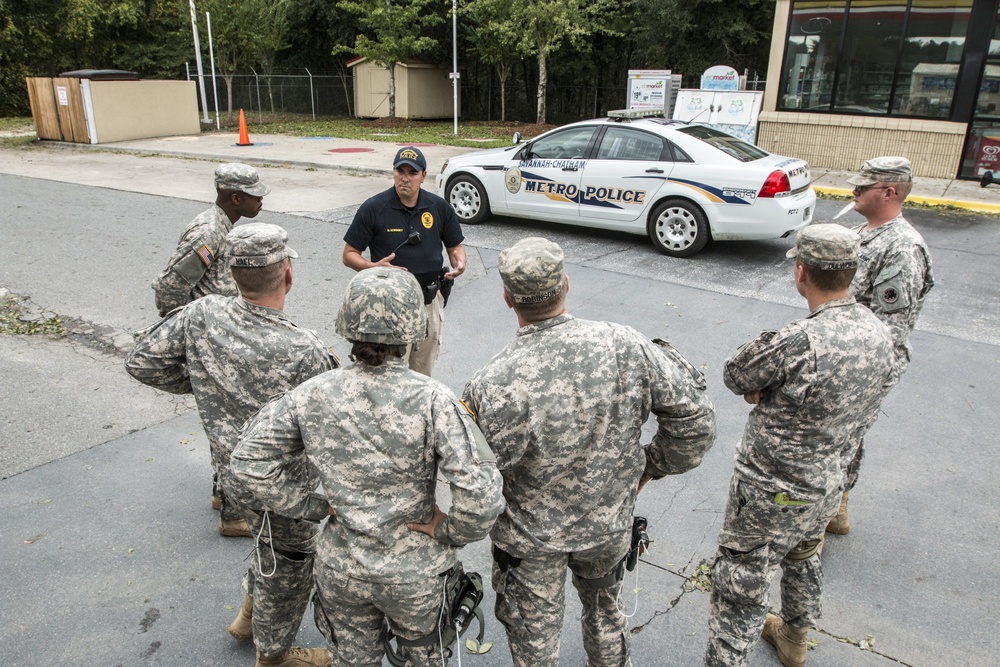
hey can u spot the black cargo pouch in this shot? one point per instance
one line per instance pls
(462, 594)
(504, 560)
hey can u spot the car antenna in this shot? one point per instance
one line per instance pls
(688, 122)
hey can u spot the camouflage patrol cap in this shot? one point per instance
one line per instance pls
(383, 305)
(532, 270)
(241, 178)
(258, 244)
(827, 246)
(887, 169)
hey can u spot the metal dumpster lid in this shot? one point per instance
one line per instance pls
(102, 74)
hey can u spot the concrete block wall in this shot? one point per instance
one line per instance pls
(844, 142)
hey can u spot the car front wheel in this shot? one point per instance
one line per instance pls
(468, 197)
(678, 228)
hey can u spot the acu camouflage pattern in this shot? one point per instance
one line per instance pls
(233, 356)
(530, 604)
(364, 607)
(378, 437)
(199, 265)
(562, 406)
(822, 377)
(383, 305)
(894, 276)
(760, 537)
(240, 178)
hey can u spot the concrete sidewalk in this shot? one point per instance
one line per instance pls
(375, 158)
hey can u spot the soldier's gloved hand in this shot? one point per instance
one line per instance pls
(642, 481)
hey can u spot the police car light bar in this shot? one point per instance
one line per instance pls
(637, 113)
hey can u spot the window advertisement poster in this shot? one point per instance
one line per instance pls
(988, 155)
(648, 88)
(720, 77)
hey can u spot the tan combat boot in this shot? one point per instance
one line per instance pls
(840, 524)
(297, 657)
(789, 641)
(216, 502)
(242, 627)
(234, 528)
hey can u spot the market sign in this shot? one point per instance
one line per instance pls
(720, 77)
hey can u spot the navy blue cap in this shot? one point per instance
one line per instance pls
(411, 156)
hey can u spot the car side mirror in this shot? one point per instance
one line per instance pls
(516, 139)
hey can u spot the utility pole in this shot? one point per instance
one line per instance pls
(197, 58)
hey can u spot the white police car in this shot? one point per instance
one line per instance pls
(680, 183)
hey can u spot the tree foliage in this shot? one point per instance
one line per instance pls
(563, 57)
(397, 33)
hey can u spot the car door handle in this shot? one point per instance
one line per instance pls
(570, 169)
(654, 170)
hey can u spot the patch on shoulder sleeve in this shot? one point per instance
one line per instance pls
(206, 255)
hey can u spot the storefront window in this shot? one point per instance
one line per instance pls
(932, 51)
(898, 56)
(871, 48)
(811, 55)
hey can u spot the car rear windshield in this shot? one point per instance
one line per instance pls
(726, 143)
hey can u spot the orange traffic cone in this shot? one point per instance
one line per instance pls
(244, 135)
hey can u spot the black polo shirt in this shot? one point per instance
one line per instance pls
(382, 223)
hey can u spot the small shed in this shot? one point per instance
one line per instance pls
(102, 106)
(423, 90)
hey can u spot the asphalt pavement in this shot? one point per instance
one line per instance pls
(108, 547)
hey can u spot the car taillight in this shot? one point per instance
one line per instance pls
(776, 184)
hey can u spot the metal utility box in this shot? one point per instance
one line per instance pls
(423, 90)
(102, 106)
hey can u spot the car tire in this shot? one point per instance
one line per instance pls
(678, 228)
(468, 199)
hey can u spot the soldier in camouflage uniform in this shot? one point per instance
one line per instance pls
(199, 265)
(562, 407)
(811, 383)
(378, 434)
(234, 354)
(893, 278)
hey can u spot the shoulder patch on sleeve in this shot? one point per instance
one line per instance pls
(206, 255)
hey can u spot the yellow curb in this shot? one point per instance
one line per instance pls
(976, 206)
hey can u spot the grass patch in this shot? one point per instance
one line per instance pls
(17, 124)
(474, 134)
(11, 322)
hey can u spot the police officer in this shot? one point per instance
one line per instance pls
(893, 278)
(234, 353)
(405, 227)
(379, 435)
(562, 406)
(198, 265)
(811, 384)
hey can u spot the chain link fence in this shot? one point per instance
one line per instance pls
(265, 97)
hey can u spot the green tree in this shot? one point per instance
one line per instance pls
(244, 33)
(496, 39)
(547, 24)
(397, 30)
(689, 36)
